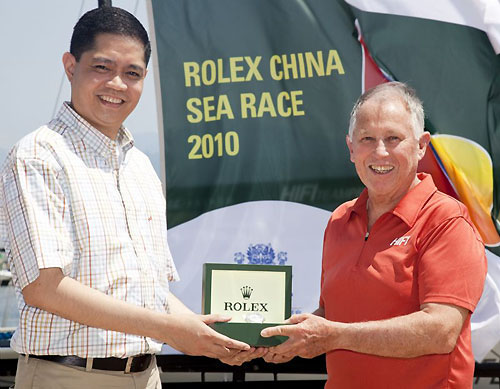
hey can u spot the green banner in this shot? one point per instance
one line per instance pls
(256, 97)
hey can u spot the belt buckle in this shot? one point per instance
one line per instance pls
(90, 362)
(128, 365)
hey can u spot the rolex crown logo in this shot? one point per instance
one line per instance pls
(246, 292)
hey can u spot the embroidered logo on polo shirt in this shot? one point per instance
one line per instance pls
(403, 241)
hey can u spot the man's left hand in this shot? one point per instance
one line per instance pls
(309, 337)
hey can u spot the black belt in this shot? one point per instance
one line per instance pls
(138, 364)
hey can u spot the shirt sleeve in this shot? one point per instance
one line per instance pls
(323, 259)
(172, 275)
(36, 219)
(452, 265)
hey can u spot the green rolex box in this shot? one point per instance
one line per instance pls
(254, 296)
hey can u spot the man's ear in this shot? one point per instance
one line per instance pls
(69, 62)
(349, 146)
(423, 142)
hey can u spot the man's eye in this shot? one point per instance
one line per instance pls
(393, 139)
(100, 67)
(134, 74)
(367, 139)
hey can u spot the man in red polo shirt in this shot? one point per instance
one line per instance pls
(403, 265)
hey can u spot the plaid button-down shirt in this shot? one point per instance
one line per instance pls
(72, 198)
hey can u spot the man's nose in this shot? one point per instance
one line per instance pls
(380, 148)
(117, 83)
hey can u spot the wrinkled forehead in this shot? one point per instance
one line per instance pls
(388, 113)
(382, 106)
(385, 99)
(112, 47)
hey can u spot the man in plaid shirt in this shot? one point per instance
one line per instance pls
(83, 216)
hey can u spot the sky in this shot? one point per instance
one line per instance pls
(35, 34)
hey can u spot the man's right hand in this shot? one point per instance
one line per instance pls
(190, 334)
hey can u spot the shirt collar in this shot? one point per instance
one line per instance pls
(359, 206)
(413, 201)
(90, 136)
(409, 206)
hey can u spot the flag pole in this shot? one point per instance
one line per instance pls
(104, 3)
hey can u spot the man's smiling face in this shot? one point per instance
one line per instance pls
(107, 81)
(384, 147)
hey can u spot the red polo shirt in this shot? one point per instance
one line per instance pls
(426, 250)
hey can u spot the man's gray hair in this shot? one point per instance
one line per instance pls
(407, 94)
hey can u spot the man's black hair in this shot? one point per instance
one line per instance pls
(108, 20)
